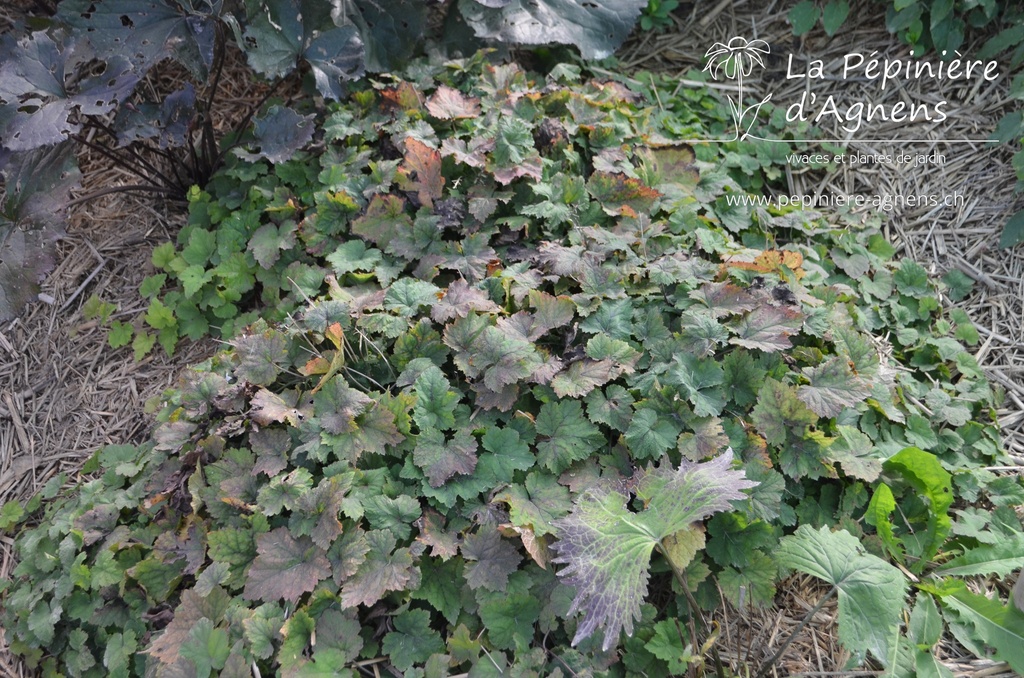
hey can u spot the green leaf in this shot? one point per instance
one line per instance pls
(925, 474)
(11, 514)
(803, 16)
(491, 559)
(925, 626)
(1000, 559)
(701, 380)
(412, 641)
(607, 548)
(152, 285)
(667, 644)
(120, 334)
(612, 408)
(999, 626)
(568, 435)
(394, 515)
(778, 410)
(1013, 231)
(833, 388)
(871, 592)
(407, 295)
(510, 618)
(879, 510)
(285, 567)
(753, 584)
(268, 241)
(441, 459)
(206, 647)
(649, 436)
(435, 402)
(537, 504)
(354, 256)
(143, 344)
(833, 16)
(912, 279)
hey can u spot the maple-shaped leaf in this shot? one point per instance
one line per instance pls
(38, 189)
(443, 544)
(704, 440)
(778, 409)
(537, 504)
(285, 567)
(613, 407)
(833, 387)
(620, 194)
(375, 429)
(268, 407)
(607, 548)
(458, 300)
(412, 641)
(441, 459)
(348, 553)
(701, 381)
(435, 401)
(337, 406)
(649, 436)
(425, 163)
(316, 511)
(491, 559)
(568, 435)
(261, 357)
(192, 608)
(583, 376)
(724, 298)
(385, 569)
(448, 103)
(385, 218)
(768, 328)
(278, 134)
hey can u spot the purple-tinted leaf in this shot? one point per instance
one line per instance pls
(337, 406)
(458, 300)
(584, 376)
(448, 103)
(261, 357)
(724, 298)
(490, 558)
(385, 569)
(285, 567)
(193, 607)
(621, 195)
(833, 388)
(39, 185)
(607, 547)
(334, 56)
(443, 545)
(279, 134)
(768, 328)
(421, 172)
(385, 218)
(440, 459)
(778, 409)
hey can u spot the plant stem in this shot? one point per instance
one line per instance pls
(767, 666)
(119, 189)
(694, 608)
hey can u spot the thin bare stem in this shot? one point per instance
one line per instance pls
(767, 666)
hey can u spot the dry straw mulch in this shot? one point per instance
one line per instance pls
(64, 392)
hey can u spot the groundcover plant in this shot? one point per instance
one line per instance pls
(531, 396)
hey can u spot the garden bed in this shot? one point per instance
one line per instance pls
(54, 351)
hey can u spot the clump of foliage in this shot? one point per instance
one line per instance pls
(75, 79)
(542, 380)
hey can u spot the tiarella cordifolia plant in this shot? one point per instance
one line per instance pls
(75, 79)
(545, 396)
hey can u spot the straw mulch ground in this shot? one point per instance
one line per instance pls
(64, 392)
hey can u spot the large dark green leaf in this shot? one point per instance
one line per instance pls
(40, 89)
(146, 31)
(391, 29)
(39, 184)
(597, 28)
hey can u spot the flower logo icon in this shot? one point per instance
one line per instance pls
(736, 60)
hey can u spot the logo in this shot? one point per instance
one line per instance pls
(871, 77)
